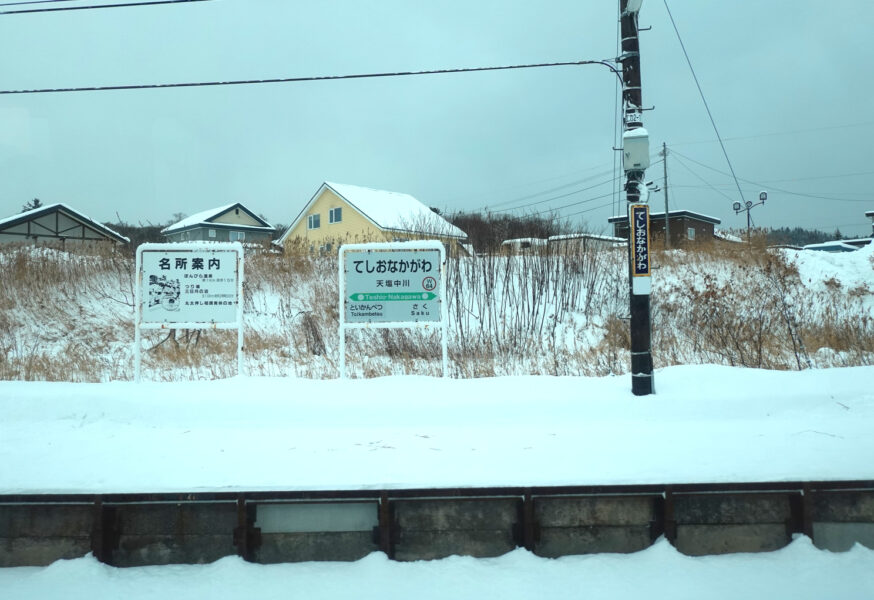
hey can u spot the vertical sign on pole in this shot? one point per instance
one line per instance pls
(393, 285)
(641, 282)
(188, 286)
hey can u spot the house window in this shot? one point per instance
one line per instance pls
(314, 221)
(690, 233)
(238, 236)
(212, 233)
(335, 215)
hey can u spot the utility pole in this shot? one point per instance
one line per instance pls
(667, 212)
(635, 155)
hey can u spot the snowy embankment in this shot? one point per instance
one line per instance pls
(705, 424)
(798, 571)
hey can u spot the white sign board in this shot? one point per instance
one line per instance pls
(195, 285)
(392, 285)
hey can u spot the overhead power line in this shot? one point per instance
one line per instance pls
(707, 183)
(704, 100)
(565, 195)
(91, 6)
(771, 187)
(779, 133)
(35, 2)
(155, 86)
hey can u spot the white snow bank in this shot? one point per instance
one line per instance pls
(705, 424)
(799, 571)
(850, 269)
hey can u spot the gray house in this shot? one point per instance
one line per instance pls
(232, 223)
(56, 223)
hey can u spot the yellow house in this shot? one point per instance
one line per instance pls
(339, 213)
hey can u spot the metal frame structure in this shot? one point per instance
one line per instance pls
(386, 247)
(204, 247)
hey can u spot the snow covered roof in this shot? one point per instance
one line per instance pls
(674, 214)
(72, 213)
(528, 240)
(206, 218)
(586, 236)
(391, 211)
(834, 246)
(728, 237)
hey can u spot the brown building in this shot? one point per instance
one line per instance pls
(685, 226)
(56, 223)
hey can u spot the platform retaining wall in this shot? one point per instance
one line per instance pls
(135, 530)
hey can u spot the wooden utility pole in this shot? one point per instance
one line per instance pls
(667, 212)
(635, 153)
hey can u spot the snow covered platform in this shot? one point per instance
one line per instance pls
(706, 424)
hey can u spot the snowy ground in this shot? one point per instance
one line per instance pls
(705, 424)
(799, 571)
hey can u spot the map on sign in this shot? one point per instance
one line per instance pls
(189, 285)
(392, 286)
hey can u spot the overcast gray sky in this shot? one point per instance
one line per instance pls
(788, 83)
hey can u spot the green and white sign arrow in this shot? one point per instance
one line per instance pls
(393, 297)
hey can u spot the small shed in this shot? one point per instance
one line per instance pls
(870, 215)
(231, 223)
(685, 226)
(56, 223)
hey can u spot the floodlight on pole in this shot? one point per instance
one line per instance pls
(747, 207)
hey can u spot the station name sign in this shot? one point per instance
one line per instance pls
(638, 216)
(385, 285)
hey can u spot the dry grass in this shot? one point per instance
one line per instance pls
(68, 316)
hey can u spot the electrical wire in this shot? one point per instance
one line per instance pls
(154, 86)
(591, 187)
(707, 183)
(778, 133)
(588, 210)
(558, 208)
(35, 2)
(776, 189)
(704, 100)
(96, 6)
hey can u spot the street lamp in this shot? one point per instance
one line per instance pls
(747, 206)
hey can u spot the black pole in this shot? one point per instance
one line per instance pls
(641, 355)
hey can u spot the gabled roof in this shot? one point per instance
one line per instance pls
(205, 218)
(674, 214)
(389, 211)
(61, 207)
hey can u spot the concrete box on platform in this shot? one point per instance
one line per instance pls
(841, 519)
(159, 534)
(584, 525)
(480, 527)
(720, 523)
(39, 535)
